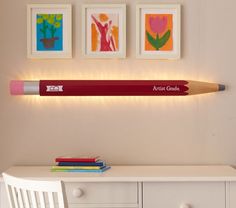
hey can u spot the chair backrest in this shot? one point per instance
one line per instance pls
(24, 193)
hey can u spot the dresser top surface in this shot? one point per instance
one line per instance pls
(131, 174)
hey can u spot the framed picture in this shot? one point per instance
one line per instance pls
(158, 31)
(49, 31)
(104, 30)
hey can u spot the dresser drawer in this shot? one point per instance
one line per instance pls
(101, 193)
(184, 195)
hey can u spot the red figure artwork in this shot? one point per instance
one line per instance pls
(104, 35)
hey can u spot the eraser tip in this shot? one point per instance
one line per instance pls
(17, 87)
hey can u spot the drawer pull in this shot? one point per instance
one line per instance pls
(77, 192)
(185, 206)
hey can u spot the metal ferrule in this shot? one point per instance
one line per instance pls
(31, 87)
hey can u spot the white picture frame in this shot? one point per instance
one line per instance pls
(113, 43)
(153, 17)
(49, 31)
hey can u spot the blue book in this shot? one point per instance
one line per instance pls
(84, 171)
(98, 163)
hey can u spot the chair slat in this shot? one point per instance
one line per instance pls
(33, 199)
(9, 195)
(26, 199)
(51, 200)
(42, 200)
(61, 201)
(15, 197)
(20, 198)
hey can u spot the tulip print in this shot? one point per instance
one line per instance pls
(158, 31)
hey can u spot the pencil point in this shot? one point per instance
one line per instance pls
(221, 87)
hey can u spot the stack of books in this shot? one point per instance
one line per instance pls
(80, 164)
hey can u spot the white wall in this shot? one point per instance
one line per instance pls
(123, 130)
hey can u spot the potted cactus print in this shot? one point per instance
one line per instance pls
(49, 32)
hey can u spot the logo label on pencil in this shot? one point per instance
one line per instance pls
(166, 88)
(54, 88)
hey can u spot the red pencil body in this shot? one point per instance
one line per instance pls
(112, 88)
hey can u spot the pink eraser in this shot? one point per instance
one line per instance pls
(17, 87)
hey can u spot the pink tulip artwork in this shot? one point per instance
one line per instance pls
(158, 24)
(104, 32)
(158, 32)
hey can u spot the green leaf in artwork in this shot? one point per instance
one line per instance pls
(151, 40)
(158, 42)
(163, 40)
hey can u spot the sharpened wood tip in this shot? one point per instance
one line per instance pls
(221, 87)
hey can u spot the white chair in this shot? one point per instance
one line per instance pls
(24, 193)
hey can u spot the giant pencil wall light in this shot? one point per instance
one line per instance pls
(112, 87)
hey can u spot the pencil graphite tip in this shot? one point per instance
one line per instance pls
(221, 87)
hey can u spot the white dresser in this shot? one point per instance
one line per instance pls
(141, 186)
